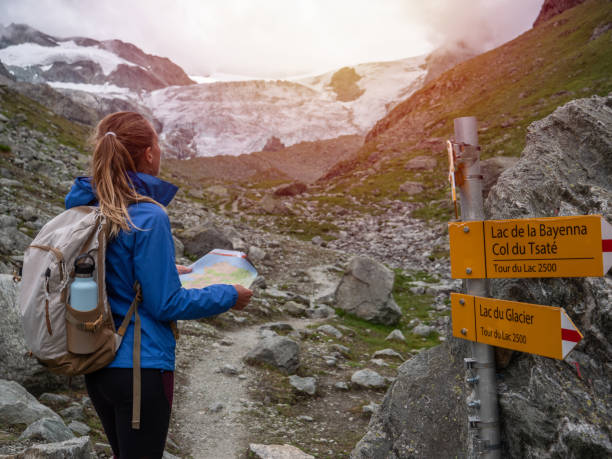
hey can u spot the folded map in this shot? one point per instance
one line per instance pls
(220, 267)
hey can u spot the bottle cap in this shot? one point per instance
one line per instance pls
(84, 264)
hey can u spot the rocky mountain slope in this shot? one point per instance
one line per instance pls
(35, 57)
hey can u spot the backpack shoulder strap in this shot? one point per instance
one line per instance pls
(136, 391)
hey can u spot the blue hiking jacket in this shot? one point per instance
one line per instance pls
(146, 255)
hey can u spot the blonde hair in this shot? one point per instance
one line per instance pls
(120, 141)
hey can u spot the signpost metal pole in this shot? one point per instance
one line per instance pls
(483, 357)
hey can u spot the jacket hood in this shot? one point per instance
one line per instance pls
(82, 193)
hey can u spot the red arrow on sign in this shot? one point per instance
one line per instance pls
(606, 244)
(570, 336)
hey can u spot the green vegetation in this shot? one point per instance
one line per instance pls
(370, 337)
(5, 148)
(305, 229)
(344, 84)
(38, 117)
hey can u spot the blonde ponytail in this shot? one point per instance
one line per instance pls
(120, 140)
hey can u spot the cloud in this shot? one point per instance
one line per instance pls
(279, 37)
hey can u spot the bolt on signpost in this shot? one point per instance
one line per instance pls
(464, 167)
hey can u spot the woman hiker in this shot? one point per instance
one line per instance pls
(124, 184)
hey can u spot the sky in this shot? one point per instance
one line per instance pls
(279, 38)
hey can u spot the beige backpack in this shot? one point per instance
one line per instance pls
(65, 340)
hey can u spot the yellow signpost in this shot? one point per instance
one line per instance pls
(577, 246)
(532, 328)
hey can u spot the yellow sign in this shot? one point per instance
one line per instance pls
(537, 247)
(532, 328)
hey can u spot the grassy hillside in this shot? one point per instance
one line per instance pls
(506, 89)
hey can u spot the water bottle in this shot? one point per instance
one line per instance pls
(84, 290)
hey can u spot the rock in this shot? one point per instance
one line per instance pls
(259, 283)
(379, 362)
(11, 239)
(388, 353)
(307, 385)
(18, 406)
(229, 370)
(330, 330)
(277, 452)
(491, 169)
(292, 189)
(273, 144)
(257, 254)
(421, 163)
(368, 379)
(295, 309)
(74, 412)
(277, 327)
(54, 399)
(343, 350)
(396, 335)
(272, 205)
(48, 430)
(179, 248)
(565, 169)
(365, 290)
(423, 395)
(371, 408)
(306, 418)
(216, 407)
(10, 183)
(341, 386)
(411, 188)
(317, 240)
(600, 30)
(279, 351)
(551, 8)
(218, 191)
(202, 239)
(79, 428)
(321, 312)
(74, 448)
(423, 330)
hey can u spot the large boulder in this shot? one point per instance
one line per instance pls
(18, 406)
(292, 189)
(200, 240)
(550, 408)
(365, 291)
(15, 364)
(47, 430)
(75, 448)
(492, 168)
(425, 404)
(279, 351)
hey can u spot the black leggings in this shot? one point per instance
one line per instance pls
(110, 390)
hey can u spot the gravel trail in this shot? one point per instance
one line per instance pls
(208, 403)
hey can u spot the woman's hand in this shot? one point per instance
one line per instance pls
(244, 296)
(183, 269)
